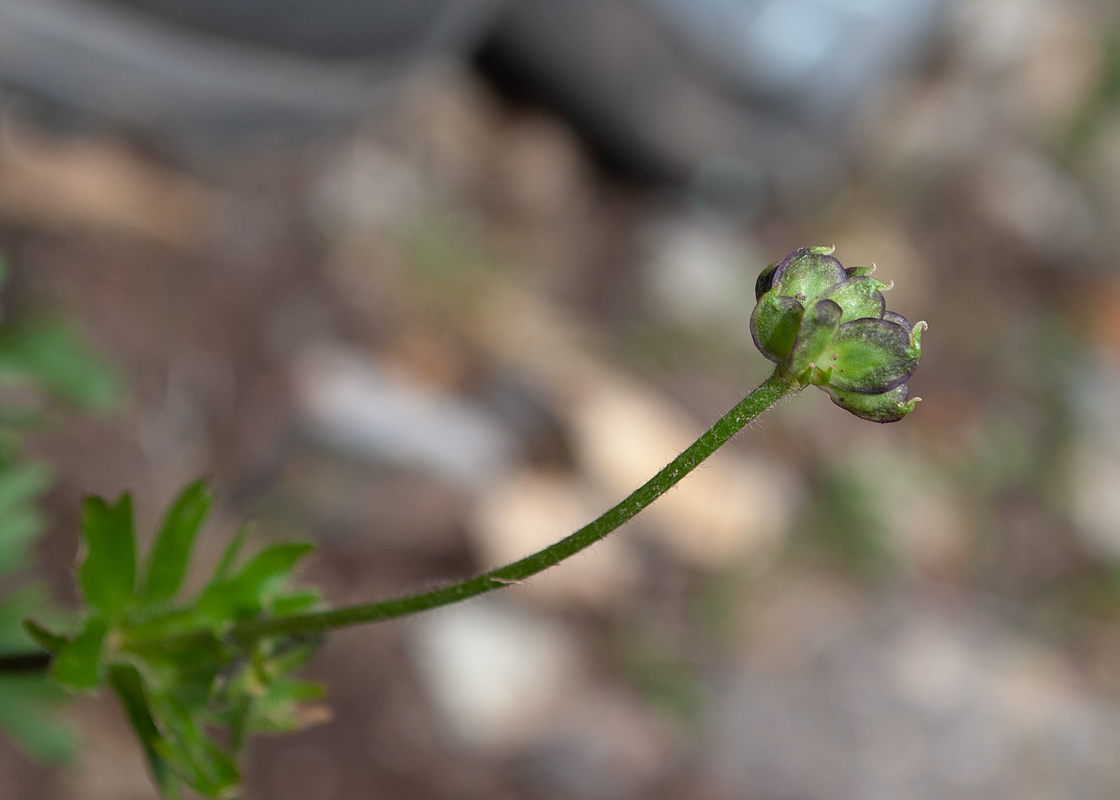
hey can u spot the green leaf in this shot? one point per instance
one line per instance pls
(51, 354)
(229, 555)
(172, 549)
(244, 594)
(27, 714)
(277, 710)
(108, 571)
(185, 666)
(296, 602)
(51, 642)
(78, 663)
(129, 687)
(20, 521)
(18, 530)
(22, 484)
(205, 767)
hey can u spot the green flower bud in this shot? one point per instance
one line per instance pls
(827, 325)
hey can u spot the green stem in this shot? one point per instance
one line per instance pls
(766, 395)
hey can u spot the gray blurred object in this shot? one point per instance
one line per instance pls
(201, 69)
(812, 58)
(731, 94)
(737, 96)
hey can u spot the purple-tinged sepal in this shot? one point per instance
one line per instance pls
(774, 326)
(890, 406)
(859, 297)
(871, 356)
(808, 273)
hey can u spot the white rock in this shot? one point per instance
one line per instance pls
(531, 510)
(731, 507)
(351, 402)
(496, 675)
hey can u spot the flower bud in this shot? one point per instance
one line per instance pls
(827, 325)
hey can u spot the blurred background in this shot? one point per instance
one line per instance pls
(434, 283)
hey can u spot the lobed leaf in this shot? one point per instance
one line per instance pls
(108, 571)
(51, 642)
(53, 355)
(78, 663)
(171, 551)
(244, 594)
(26, 703)
(129, 688)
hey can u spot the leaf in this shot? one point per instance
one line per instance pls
(17, 531)
(51, 642)
(27, 715)
(229, 555)
(129, 687)
(296, 602)
(278, 710)
(20, 521)
(108, 572)
(78, 663)
(243, 595)
(205, 767)
(51, 354)
(21, 485)
(172, 549)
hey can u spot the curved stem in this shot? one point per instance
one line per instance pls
(766, 395)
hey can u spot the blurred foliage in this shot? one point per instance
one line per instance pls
(48, 357)
(176, 668)
(842, 525)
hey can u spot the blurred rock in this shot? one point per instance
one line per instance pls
(866, 236)
(496, 675)
(529, 511)
(910, 700)
(372, 412)
(1094, 491)
(702, 276)
(731, 508)
(927, 524)
(99, 186)
(366, 187)
(602, 746)
(1036, 200)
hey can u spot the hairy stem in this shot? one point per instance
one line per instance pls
(766, 395)
(762, 398)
